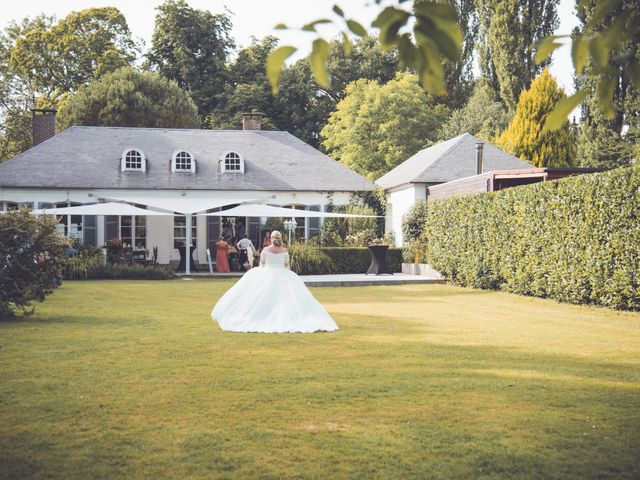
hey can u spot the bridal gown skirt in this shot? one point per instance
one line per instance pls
(271, 300)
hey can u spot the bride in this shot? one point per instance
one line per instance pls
(271, 299)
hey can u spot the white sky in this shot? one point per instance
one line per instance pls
(257, 18)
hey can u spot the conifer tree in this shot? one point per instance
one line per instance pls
(524, 138)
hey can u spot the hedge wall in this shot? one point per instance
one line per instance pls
(308, 259)
(575, 240)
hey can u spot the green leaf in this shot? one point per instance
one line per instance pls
(599, 52)
(390, 21)
(318, 58)
(563, 108)
(407, 51)
(356, 28)
(447, 36)
(338, 11)
(545, 47)
(275, 61)
(311, 27)
(281, 26)
(606, 89)
(601, 11)
(579, 53)
(435, 10)
(347, 46)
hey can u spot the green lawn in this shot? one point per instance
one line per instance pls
(133, 380)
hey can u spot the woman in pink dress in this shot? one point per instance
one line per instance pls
(222, 256)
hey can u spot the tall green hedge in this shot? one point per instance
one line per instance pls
(575, 240)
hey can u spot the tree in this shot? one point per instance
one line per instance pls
(508, 28)
(130, 98)
(376, 127)
(192, 47)
(458, 74)
(608, 141)
(32, 255)
(81, 47)
(524, 137)
(483, 116)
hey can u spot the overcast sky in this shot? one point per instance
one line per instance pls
(256, 18)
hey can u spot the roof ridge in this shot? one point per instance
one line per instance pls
(170, 128)
(439, 158)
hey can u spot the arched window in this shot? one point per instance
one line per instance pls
(233, 162)
(183, 161)
(133, 160)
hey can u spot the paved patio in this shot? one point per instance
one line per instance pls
(344, 280)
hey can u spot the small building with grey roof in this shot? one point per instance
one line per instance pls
(444, 162)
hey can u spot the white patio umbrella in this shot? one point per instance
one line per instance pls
(259, 210)
(109, 208)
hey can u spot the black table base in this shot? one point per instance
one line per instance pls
(378, 260)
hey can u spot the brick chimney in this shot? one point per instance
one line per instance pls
(251, 121)
(43, 124)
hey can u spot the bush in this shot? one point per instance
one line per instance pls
(412, 227)
(122, 271)
(308, 259)
(338, 260)
(32, 255)
(575, 240)
(87, 265)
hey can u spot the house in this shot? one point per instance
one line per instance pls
(454, 159)
(161, 168)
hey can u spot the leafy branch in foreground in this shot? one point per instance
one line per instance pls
(424, 36)
(605, 52)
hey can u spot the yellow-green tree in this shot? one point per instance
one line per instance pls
(524, 137)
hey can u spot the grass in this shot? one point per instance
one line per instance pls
(122, 379)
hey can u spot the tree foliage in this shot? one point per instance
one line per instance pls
(81, 47)
(508, 28)
(483, 116)
(192, 47)
(130, 98)
(376, 127)
(433, 37)
(524, 137)
(608, 142)
(32, 255)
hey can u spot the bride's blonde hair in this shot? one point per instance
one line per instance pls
(276, 238)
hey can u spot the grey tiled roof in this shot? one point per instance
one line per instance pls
(450, 160)
(89, 157)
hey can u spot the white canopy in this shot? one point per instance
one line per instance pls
(258, 210)
(185, 205)
(109, 208)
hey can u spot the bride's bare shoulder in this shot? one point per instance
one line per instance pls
(272, 249)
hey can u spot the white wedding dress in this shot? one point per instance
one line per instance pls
(271, 299)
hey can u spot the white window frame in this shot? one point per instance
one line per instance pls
(174, 157)
(223, 162)
(123, 161)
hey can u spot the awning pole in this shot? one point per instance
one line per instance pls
(187, 247)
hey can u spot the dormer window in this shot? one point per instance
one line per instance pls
(232, 162)
(183, 161)
(133, 160)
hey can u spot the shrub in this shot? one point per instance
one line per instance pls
(83, 264)
(575, 240)
(122, 271)
(308, 259)
(412, 227)
(32, 254)
(341, 260)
